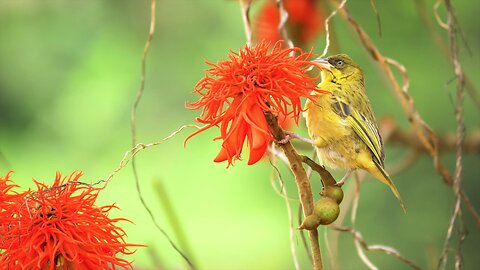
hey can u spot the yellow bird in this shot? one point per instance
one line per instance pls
(342, 125)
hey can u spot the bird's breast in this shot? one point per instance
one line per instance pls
(333, 137)
(322, 122)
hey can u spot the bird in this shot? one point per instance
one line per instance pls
(341, 124)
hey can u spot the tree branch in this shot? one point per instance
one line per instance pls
(302, 181)
(445, 142)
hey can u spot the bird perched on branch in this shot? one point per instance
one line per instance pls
(342, 125)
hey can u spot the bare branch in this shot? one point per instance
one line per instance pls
(327, 27)
(379, 23)
(393, 134)
(302, 181)
(283, 193)
(327, 178)
(130, 154)
(386, 249)
(459, 117)
(245, 9)
(283, 22)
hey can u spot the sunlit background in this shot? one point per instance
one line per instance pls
(70, 71)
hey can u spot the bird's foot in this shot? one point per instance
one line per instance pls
(287, 138)
(291, 135)
(344, 178)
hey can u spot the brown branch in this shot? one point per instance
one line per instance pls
(283, 14)
(245, 9)
(326, 177)
(302, 181)
(379, 23)
(386, 249)
(425, 134)
(445, 142)
(460, 134)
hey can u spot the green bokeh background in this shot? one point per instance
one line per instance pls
(70, 70)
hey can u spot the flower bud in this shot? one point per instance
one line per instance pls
(327, 210)
(333, 192)
(311, 222)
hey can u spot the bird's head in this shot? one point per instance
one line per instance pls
(339, 68)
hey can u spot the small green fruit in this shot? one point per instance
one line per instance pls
(311, 222)
(327, 210)
(333, 192)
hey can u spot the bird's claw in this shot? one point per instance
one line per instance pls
(285, 140)
(340, 183)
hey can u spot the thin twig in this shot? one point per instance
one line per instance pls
(327, 27)
(437, 16)
(130, 154)
(284, 195)
(459, 117)
(359, 241)
(300, 218)
(345, 206)
(353, 218)
(386, 249)
(282, 24)
(245, 9)
(134, 130)
(379, 23)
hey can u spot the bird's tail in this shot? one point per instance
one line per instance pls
(382, 175)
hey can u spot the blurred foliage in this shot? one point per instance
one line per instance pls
(69, 73)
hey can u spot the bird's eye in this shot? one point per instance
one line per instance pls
(339, 63)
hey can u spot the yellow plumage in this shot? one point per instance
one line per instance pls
(342, 125)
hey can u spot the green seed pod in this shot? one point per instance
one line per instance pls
(327, 210)
(333, 192)
(311, 222)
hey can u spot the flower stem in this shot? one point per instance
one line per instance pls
(302, 181)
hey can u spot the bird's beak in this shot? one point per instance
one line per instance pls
(322, 63)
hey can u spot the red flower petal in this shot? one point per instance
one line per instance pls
(236, 93)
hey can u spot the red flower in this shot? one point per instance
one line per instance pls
(305, 21)
(236, 92)
(59, 227)
(6, 196)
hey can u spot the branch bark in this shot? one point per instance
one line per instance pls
(301, 180)
(445, 143)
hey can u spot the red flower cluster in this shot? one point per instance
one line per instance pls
(236, 92)
(59, 227)
(305, 21)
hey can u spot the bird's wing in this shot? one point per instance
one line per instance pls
(363, 126)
